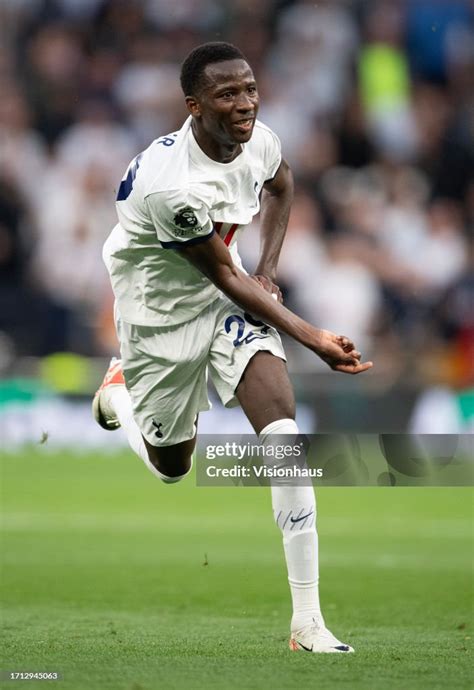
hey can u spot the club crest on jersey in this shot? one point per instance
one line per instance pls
(186, 222)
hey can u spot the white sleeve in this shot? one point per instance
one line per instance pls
(272, 155)
(179, 219)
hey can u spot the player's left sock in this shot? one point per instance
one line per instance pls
(294, 509)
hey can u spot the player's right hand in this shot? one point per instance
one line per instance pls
(339, 353)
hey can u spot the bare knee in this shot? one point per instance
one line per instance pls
(172, 462)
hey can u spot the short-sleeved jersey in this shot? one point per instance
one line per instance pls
(174, 195)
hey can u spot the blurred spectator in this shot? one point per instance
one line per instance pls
(96, 139)
(72, 225)
(446, 141)
(30, 324)
(445, 251)
(53, 74)
(354, 146)
(117, 24)
(347, 296)
(385, 83)
(148, 90)
(23, 155)
(308, 70)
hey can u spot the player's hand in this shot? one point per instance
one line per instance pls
(268, 286)
(339, 353)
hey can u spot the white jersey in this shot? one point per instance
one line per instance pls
(174, 195)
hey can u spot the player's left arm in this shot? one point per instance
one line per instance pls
(277, 195)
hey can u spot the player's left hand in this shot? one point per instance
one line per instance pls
(338, 351)
(268, 286)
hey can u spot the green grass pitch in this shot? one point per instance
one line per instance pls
(117, 581)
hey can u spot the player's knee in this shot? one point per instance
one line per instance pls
(171, 464)
(171, 476)
(173, 480)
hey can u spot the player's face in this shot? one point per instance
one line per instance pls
(227, 106)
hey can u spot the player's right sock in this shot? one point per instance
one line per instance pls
(294, 509)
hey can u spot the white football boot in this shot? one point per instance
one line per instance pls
(102, 408)
(318, 639)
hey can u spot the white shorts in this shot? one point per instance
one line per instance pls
(166, 369)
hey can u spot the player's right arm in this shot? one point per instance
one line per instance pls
(214, 260)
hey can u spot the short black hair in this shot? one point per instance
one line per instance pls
(193, 67)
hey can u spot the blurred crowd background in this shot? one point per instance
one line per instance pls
(373, 102)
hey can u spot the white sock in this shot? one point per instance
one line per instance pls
(300, 539)
(120, 400)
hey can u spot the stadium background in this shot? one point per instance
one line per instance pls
(372, 102)
(119, 582)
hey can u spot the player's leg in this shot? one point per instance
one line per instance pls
(112, 408)
(172, 462)
(265, 392)
(266, 396)
(156, 392)
(247, 365)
